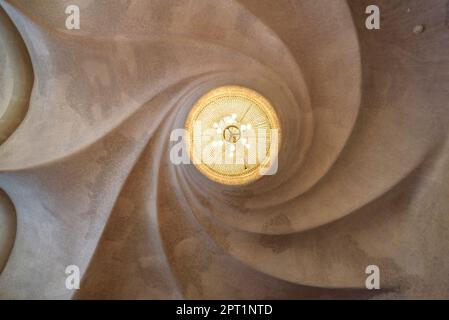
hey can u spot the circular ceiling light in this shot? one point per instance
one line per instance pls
(233, 134)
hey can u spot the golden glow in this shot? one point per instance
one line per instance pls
(237, 127)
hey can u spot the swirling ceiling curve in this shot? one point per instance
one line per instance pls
(361, 166)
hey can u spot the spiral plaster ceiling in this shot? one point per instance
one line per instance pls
(86, 177)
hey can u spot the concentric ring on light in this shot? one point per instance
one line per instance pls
(233, 134)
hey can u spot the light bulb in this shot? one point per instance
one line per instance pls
(231, 111)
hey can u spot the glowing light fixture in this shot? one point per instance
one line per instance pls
(233, 134)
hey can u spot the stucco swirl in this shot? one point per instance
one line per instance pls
(363, 163)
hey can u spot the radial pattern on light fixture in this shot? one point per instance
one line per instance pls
(233, 135)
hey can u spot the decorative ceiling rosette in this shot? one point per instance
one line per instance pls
(362, 165)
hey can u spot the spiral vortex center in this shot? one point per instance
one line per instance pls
(233, 135)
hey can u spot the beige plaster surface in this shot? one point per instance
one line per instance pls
(86, 177)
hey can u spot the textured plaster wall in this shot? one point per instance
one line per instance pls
(86, 177)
